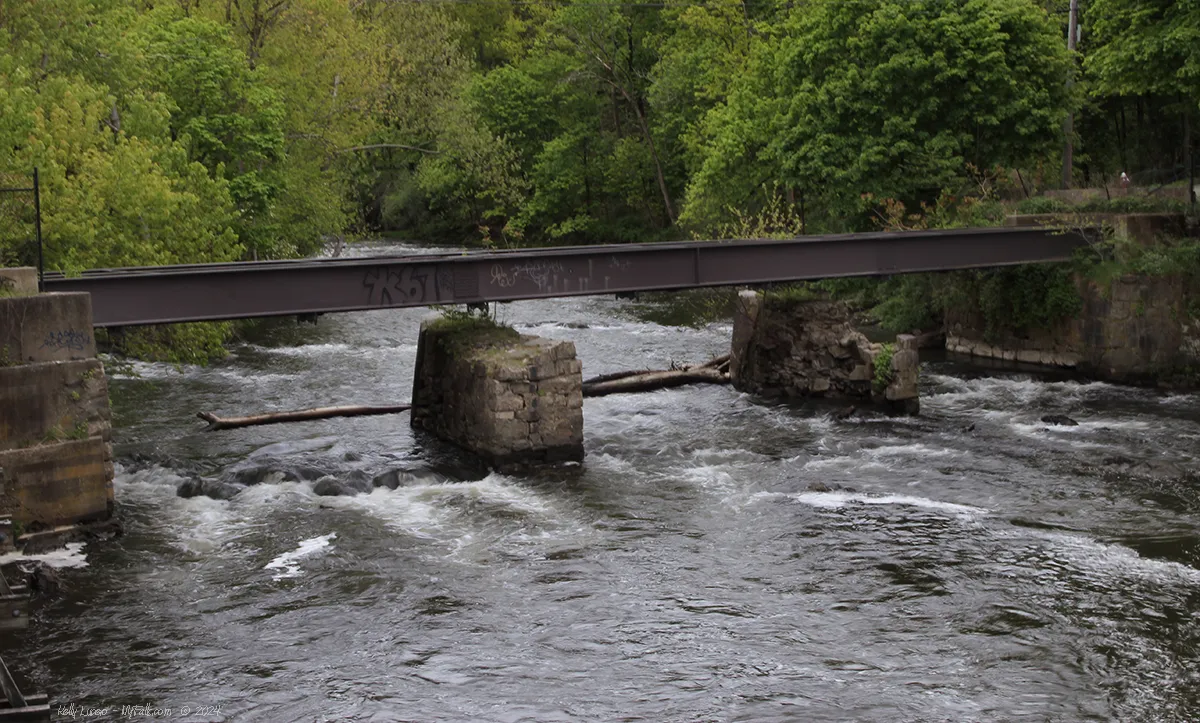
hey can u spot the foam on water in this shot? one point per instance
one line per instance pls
(835, 500)
(200, 525)
(134, 369)
(1017, 391)
(70, 556)
(915, 449)
(1108, 559)
(304, 350)
(289, 562)
(887, 457)
(428, 510)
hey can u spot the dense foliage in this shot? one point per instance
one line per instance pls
(209, 130)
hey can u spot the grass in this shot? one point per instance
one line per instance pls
(463, 330)
(883, 368)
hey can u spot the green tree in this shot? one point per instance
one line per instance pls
(1145, 47)
(892, 98)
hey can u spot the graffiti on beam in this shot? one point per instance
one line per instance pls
(391, 285)
(543, 274)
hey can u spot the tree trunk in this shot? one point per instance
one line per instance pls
(655, 380)
(714, 371)
(303, 415)
(658, 171)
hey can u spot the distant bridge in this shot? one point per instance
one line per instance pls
(210, 292)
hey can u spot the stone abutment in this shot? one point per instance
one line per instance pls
(55, 429)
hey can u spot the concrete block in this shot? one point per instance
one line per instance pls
(52, 401)
(46, 327)
(19, 281)
(57, 484)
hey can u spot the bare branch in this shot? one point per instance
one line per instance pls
(401, 146)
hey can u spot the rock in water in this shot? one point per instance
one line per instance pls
(198, 486)
(43, 580)
(845, 413)
(393, 478)
(1061, 420)
(358, 480)
(333, 487)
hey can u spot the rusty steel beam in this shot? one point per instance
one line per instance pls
(209, 292)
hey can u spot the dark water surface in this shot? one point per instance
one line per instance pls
(714, 559)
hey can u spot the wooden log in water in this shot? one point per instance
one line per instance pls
(717, 363)
(711, 372)
(302, 415)
(616, 375)
(652, 381)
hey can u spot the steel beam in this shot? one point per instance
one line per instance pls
(209, 292)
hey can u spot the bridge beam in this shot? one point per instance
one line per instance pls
(210, 292)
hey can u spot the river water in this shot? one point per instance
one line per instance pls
(715, 558)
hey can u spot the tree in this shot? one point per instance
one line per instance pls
(1144, 47)
(893, 98)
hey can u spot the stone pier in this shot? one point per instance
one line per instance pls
(788, 348)
(55, 433)
(513, 400)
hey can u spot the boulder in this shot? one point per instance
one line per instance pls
(1060, 420)
(216, 489)
(331, 486)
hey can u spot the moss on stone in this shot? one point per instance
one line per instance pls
(461, 331)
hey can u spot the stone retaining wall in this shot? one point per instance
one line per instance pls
(513, 400)
(1137, 328)
(791, 348)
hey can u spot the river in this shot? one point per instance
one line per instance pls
(715, 558)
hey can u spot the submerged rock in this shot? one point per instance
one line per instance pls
(392, 479)
(249, 475)
(845, 413)
(1060, 420)
(37, 575)
(333, 487)
(359, 481)
(258, 473)
(216, 489)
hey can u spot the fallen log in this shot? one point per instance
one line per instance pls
(628, 382)
(616, 375)
(655, 380)
(721, 361)
(302, 415)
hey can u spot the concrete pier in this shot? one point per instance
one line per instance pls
(513, 400)
(55, 423)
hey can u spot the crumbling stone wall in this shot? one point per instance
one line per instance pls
(797, 348)
(513, 400)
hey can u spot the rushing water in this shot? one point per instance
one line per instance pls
(714, 559)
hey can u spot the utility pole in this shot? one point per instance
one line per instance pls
(1069, 126)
